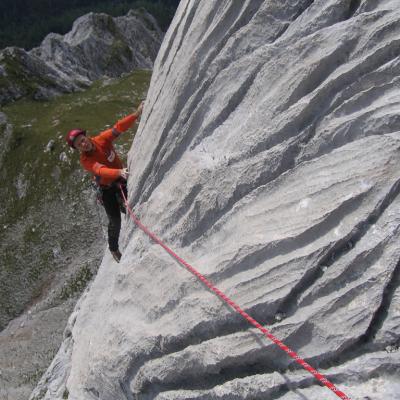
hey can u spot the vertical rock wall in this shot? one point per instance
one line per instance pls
(268, 157)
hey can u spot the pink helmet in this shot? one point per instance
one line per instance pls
(72, 135)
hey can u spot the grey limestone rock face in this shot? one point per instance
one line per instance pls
(97, 46)
(267, 157)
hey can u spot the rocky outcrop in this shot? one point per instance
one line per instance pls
(100, 45)
(97, 46)
(23, 74)
(267, 156)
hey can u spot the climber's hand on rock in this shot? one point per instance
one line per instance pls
(123, 173)
(140, 109)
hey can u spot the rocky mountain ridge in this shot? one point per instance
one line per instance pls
(97, 46)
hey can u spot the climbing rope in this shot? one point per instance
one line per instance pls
(237, 308)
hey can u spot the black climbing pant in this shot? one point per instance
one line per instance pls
(113, 203)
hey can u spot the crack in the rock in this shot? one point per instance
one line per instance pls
(258, 361)
(302, 10)
(354, 5)
(214, 39)
(171, 40)
(226, 374)
(289, 306)
(340, 100)
(183, 208)
(232, 104)
(356, 267)
(206, 381)
(204, 331)
(326, 67)
(188, 90)
(321, 100)
(365, 343)
(291, 244)
(164, 134)
(166, 54)
(233, 323)
(185, 141)
(242, 190)
(157, 154)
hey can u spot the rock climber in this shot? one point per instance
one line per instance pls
(98, 156)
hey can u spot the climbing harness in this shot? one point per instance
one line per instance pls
(236, 307)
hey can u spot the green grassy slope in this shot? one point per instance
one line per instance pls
(48, 212)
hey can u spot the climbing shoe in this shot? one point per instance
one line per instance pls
(116, 254)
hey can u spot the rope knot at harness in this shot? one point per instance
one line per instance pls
(321, 378)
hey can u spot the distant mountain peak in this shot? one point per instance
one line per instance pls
(98, 45)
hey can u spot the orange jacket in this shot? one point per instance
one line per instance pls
(103, 162)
